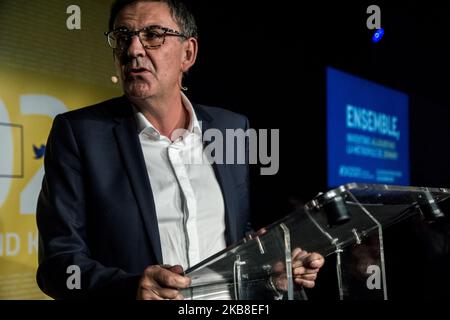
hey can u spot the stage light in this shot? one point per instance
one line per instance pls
(378, 35)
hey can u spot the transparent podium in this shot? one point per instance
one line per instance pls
(347, 222)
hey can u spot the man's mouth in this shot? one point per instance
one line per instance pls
(136, 71)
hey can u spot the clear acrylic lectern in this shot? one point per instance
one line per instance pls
(347, 221)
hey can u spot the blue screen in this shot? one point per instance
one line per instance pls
(367, 132)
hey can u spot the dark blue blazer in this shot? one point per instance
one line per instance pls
(96, 209)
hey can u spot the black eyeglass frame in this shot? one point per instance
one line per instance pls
(130, 34)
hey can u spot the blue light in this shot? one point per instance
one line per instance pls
(378, 35)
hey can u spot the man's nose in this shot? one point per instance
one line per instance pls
(135, 49)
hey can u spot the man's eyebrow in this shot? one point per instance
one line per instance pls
(120, 27)
(152, 26)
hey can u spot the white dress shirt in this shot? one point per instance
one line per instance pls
(188, 199)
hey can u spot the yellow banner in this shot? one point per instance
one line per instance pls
(47, 66)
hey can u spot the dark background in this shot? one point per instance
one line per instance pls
(267, 60)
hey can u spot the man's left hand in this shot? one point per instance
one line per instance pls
(305, 267)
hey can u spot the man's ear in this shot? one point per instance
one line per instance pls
(190, 49)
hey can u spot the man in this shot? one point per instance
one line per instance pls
(119, 200)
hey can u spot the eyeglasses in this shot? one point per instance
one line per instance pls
(151, 37)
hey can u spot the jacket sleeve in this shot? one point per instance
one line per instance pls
(61, 219)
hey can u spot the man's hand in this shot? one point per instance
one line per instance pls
(161, 283)
(305, 267)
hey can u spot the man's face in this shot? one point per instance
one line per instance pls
(146, 73)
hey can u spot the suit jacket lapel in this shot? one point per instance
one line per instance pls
(133, 159)
(223, 177)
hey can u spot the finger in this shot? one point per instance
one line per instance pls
(296, 252)
(179, 297)
(145, 287)
(261, 231)
(298, 257)
(302, 270)
(310, 276)
(314, 260)
(169, 279)
(166, 278)
(152, 291)
(305, 283)
(176, 269)
(298, 271)
(150, 295)
(167, 293)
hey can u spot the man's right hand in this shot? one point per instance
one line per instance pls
(162, 282)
